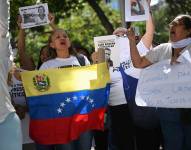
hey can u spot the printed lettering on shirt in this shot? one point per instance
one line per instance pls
(125, 65)
(68, 66)
(17, 90)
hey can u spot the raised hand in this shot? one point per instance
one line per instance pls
(131, 34)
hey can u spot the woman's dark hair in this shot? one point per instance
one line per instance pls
(39, 59)
(81, 50)
(186, 20)
(53, 54)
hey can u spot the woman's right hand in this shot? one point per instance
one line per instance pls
(98, 56)
(131, 34)
(94, 57)
(51, 18)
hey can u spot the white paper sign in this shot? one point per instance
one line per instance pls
(165, 85)
(136, 10)
(109, 44)
(35, 15)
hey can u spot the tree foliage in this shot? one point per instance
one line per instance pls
(61, 8)
(80, 21)
(178, 7)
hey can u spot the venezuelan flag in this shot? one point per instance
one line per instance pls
(64, 103)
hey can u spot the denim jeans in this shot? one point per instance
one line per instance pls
(177, 136)
(83, 143)
(10, 133)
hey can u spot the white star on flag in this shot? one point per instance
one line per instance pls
(82, 97)
(59, 110)
(68, 100)
(91, 101)
(88, 98)
(62, 104)
(75, 97)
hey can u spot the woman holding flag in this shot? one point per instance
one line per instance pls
(64, 56)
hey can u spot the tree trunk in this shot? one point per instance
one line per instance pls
(104, 20)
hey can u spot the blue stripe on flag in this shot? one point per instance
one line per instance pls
(67, 104)
(129, 85)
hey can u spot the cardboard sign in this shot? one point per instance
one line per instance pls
(136, 10)
(108, 43)
(166, 85)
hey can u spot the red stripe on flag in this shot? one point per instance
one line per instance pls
(64, 130)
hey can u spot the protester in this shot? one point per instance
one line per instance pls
(175, 123)
(65, 56)
(146, 136)
(10, 127)
(146, 129)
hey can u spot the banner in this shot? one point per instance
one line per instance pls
(64, 103)
(165, 85)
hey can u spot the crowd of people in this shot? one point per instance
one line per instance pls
(127, 126)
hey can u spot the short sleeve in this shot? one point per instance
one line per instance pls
(157, 53)
(142, 48)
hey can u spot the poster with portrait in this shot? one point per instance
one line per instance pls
(35, 15)
(108, 43)
(136, 10)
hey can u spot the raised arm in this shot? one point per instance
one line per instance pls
(147, 38)
(138, 61)
(51, 18)
(26, 61)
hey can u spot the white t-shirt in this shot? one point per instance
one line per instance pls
(162, 52)
(117, 95)
(62, 62)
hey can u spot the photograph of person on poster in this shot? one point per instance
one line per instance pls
(137, 7)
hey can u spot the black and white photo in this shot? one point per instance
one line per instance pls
(136, 10)
(35, 15)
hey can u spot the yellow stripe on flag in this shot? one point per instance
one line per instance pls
(65, 79)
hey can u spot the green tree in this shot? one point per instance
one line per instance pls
(178, 7)
(62, 9)
(82, 25)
